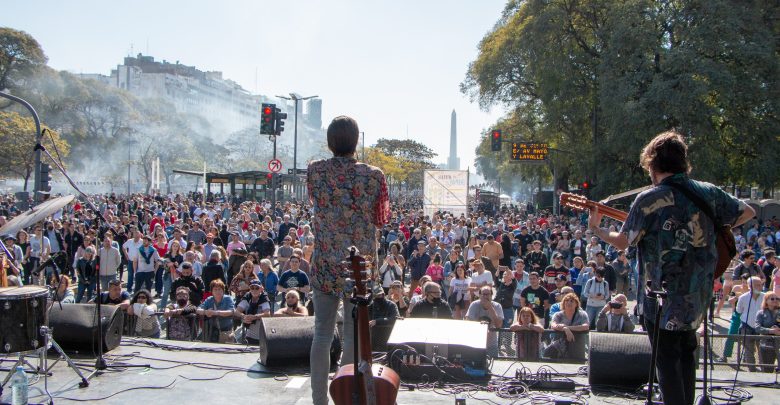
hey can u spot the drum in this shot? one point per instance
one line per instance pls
(22, 313)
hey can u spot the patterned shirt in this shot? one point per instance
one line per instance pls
(349, 202)
(676, 243)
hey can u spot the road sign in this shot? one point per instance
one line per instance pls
(274, 165)
(300, 171)
(530, 151)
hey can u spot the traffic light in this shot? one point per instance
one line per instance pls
(495, 140)
(279, 118)
(267, 122)
(45, 179)
(585, 185)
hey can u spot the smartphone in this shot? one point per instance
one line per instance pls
(615, 305)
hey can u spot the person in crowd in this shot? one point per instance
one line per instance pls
(571, 319)
(263, 245)
(536, 260)
(253, 306)
(593, 247)
(622, 269)
(37, 253)
(521, 277)
(293, 305)
(418, 265)
(142, 311)
(145, 266)
(62, 292)
(486, 310)
(556, 299)
(396, 295)
(86, 269)
(436, 270)
(529, 338)
(578, 265)
(553, 272)
(213, 271)
(174, 257)
(285, 251)
(389, 272)
(294, 279)
(535, 296)
(218, 309)
(110, 260)
(610, 275)
(161, 245)
(240, 284)
(459, 296)
(748, 266)
(180, 316)
(560, 284)
(772, 276)
(596, 290)
(736, 319)
(115, 295)
(235, 243)
(23, 241)
(614, 316)
(270, 279)
(748, 305)
(382, 312)
(768, 323)
(132, 248)
(480, 277)
(188, 279)
(493, 251)
(505, 291)
(432, 306)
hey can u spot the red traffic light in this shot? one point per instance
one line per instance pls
(496, 134)
(269, 176)
(585, 185)
(267, 110)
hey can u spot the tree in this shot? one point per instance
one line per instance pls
(18, 137)
(602, 77)
(412, 156)
(20, 56)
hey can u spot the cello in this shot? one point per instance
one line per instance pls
(362, 383)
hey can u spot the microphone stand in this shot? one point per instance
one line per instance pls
(100, 362)
(659, 296)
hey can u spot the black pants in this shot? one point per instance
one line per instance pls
(676, 364)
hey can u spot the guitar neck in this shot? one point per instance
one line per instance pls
(608, 211)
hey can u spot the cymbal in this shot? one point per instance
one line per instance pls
(35, 214)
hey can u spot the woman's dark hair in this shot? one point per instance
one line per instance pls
(460, 265)
(666, 153)
(343, 134)
(437, 258)
(139, 292)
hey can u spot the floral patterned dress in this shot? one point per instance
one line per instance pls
(350, 201)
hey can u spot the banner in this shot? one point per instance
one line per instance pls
(445, 190)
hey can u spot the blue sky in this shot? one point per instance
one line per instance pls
(391, 65)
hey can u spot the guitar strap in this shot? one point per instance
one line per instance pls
(699, 202)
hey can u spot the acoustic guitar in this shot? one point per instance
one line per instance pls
(363, 383)
(722, 242)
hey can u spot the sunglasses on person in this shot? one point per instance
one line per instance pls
(773, 299)
(254, 287)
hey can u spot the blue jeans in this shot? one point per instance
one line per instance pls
(144, 280)
(130, 275)
(593, 313)
(158, 280)
(325, 311)
(166, 289)
(82, 287)
(509, 314)
(104, 280)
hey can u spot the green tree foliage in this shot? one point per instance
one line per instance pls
(20, 56)
(412, 156)
(599, 78)
(17, 135)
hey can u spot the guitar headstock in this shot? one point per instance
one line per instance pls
(574, 201)
(360, 269)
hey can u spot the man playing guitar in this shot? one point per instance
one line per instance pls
(676, 244)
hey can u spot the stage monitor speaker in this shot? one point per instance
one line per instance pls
(463, 343)
(619, 359)
(74, 327)
(287, 340)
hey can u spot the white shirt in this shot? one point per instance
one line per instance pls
(743, 302)
(481, 279)
(131, 248)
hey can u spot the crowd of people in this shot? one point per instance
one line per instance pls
(173, 258)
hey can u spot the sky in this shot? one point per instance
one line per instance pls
(394, 66)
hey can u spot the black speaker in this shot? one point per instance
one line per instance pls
(288, 339)
(74, 326)
(619, 359)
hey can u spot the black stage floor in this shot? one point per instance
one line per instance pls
(194, 376)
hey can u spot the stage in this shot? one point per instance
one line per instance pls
(196, 373)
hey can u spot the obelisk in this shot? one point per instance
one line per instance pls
(453, 162)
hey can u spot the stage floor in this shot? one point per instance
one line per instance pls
(194, 376)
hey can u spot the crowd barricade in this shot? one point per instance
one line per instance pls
(547, 345)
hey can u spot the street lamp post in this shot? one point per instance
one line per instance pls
(295, 97)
